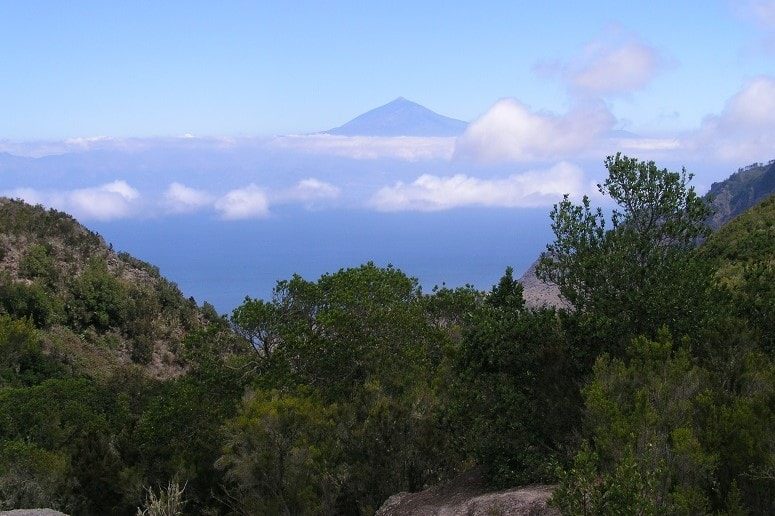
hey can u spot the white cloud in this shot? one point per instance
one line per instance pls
(243, 203)
(616, 69)
(434, 193)
(613, 64)
(180, 198)
(109, 201)
(407, 148)
(510, 131)
(309, 191)
(753, 106)
(745, 129)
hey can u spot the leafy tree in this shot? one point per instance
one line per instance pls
(367, 340)
(280, 456)
(32, 477)
(515, 398)
(640, 273)
(666, 433)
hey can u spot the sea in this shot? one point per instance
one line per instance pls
(222, 262)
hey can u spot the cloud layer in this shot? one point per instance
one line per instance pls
(434, 193)
(407, 148)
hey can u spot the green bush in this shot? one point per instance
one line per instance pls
(667, 433)
(38, 262)
(33, 301)
(97, 299)
(515, 398)
(32, 477)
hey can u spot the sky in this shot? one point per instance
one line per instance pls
(189, 133)
(142, 69)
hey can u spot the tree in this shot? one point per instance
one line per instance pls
(667, 433)
(641, 272)
(368, 341)
(514, 401)
(278, 455)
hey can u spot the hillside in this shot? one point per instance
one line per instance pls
(96, 309)
(743, 255)
(748, 239)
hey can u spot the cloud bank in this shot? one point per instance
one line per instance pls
(434, 193)
(407, 148)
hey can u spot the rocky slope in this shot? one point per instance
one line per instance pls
(537, 293)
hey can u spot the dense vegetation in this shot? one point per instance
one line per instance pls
(655, 392)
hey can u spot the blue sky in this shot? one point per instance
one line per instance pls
(181, 130)
(73, 69)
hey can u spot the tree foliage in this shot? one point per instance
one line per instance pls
(639, 273)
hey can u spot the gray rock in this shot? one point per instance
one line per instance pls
(467, 495)
(539, 294)
(32, 512)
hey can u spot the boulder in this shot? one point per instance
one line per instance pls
(467, 495)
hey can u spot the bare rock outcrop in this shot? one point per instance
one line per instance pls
(467, 495)
(539, 294)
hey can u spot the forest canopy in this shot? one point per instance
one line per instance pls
(652, 389)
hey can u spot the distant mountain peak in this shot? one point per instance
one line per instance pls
(401, 117)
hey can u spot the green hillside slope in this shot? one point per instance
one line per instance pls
(96, 308)
(743, 252)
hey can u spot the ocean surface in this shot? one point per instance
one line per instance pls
(224, 261)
